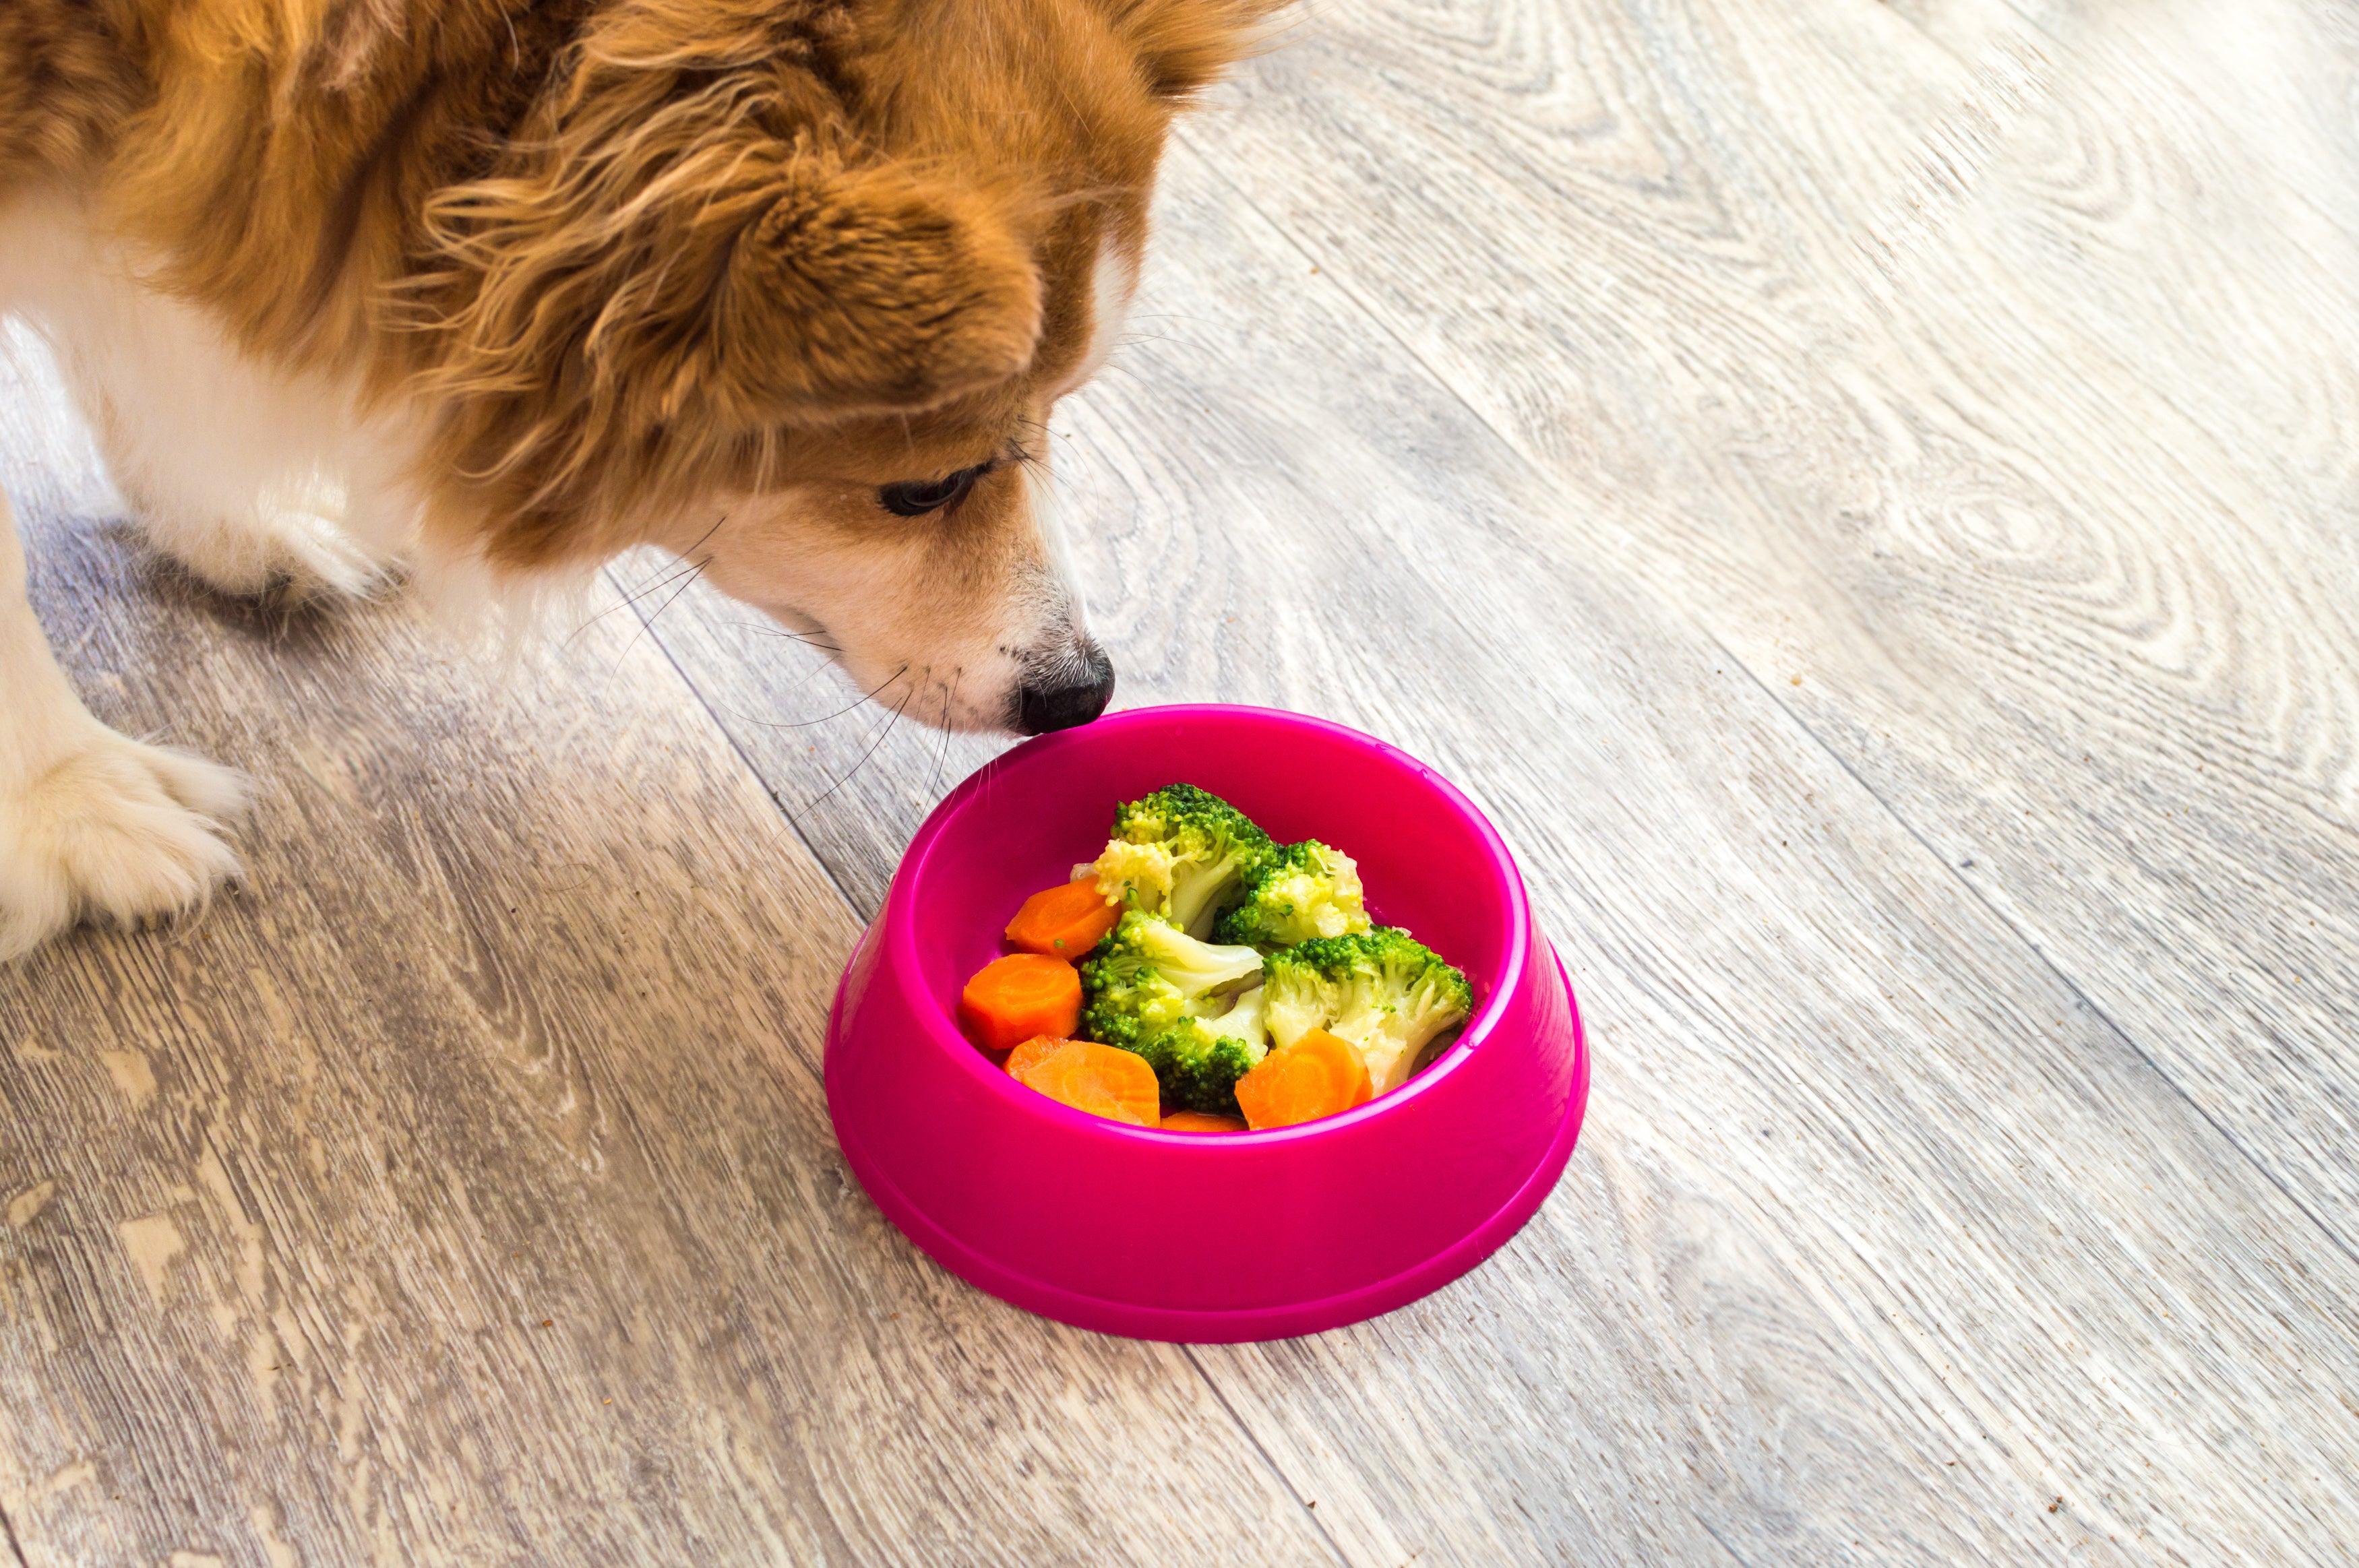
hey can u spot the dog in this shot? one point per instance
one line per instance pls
(481, 292)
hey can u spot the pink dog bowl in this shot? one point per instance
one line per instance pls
(1193, 1236)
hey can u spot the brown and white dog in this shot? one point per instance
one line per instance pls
(490, 290)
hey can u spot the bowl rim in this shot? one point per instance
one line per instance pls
(942, 1027)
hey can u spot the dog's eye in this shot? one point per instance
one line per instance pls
(930, 495)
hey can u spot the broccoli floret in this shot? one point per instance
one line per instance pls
(1147, 975)
(1381, 990)
(1303, 890)
(1196, 1066)
(1208, 848)
(1198, 1060)
(1136, 876)
(1245, 1022)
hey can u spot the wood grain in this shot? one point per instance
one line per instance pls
(852, 779)
(2007, 407)
(2277, 78)
(1861, 494)
(1880, 1239)
(462, 1191)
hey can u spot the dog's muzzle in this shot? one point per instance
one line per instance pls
(1072, 693)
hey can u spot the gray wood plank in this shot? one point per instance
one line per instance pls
(853, 780)
(1997, 419)
(461, 1192)
(1978, 1230)
(1879, 1242)
(2277, 76)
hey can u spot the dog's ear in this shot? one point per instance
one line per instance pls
(861, 291)
(1184, 45)
(645, 304)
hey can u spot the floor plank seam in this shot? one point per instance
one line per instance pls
(1377, 323)
(2046, 963)
(1734, 1556)
(1250, 1436)
(646, 624)
(738, 750)
(15, 1548)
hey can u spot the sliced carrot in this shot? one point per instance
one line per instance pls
(1200, 1121)
(1063, 922)
(1101, 1079)
(1013, 999)
(1317, 1076)
(1033, 1051)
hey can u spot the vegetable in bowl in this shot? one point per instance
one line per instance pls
(1381, 990)
(1245, 976)
(1304, 891)
(1148, 974)
(1182, 853)
(1152, 988)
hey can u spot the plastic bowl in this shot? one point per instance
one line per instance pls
(1194, 1237)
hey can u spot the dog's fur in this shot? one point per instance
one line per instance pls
(489, 291)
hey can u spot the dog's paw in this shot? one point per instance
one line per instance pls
(298, 550)
(116, 830)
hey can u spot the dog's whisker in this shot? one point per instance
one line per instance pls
(630, 597)
(887, 729)
(807, 723)
(809, 676)
(647, 625)
(1118, 363)
(808, 639)
(950, 695)
(812, 674)
(794, 819)
(670, 571)
(796, 637)
(667, 574)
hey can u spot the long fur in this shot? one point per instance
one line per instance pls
(505, 288)
(625, 250)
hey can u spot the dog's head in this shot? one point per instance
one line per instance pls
(791, 289)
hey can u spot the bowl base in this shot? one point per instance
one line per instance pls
(1285, 1321)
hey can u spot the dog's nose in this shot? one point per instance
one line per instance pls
(1061, 702)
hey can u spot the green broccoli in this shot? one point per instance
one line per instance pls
(1198, 1060)
(1147, 975)
(1134, 876)
(1196, 1066)
(1381, 990)
(1243, 1020)
(1183, 854)
(1303, 890)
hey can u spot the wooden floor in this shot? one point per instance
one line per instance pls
(1867, 495)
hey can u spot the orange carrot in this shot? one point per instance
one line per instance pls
(1033, 1051)
(1101, 1079)
(1200, 1121)
(1317, 1076)
(1063, 922)
(1013, 999)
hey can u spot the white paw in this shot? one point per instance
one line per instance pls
(300, 548)
(117, 830)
